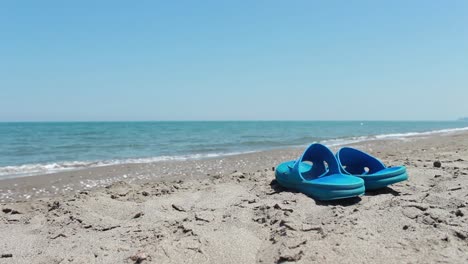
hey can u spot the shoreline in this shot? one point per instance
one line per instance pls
(68, 166)
(77, 180)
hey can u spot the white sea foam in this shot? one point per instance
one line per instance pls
(402, 136)
(427, 133)
(345, 141)
(39, 169)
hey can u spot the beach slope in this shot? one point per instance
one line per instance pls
(233, 211)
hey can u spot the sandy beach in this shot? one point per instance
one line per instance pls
(230, 210)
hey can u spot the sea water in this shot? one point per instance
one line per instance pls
(38, 148)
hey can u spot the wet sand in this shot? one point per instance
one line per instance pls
(230, 210)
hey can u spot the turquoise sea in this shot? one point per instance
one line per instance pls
(37, 148)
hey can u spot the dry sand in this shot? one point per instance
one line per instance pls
(231, 210)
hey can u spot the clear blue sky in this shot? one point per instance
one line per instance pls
(233, 60)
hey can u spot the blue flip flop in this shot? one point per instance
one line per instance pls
(317, 174)
(374, 173)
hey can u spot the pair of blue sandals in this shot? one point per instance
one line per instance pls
(324, 176)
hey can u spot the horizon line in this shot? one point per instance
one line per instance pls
(232, 120)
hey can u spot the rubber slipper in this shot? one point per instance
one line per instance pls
(317, 174)
(374, 173)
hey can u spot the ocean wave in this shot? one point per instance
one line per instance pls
(351, 140)
(344, 141)
(48, 168)
(426, 133)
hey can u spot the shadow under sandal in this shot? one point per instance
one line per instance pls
(317, 174)
(374, 173)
